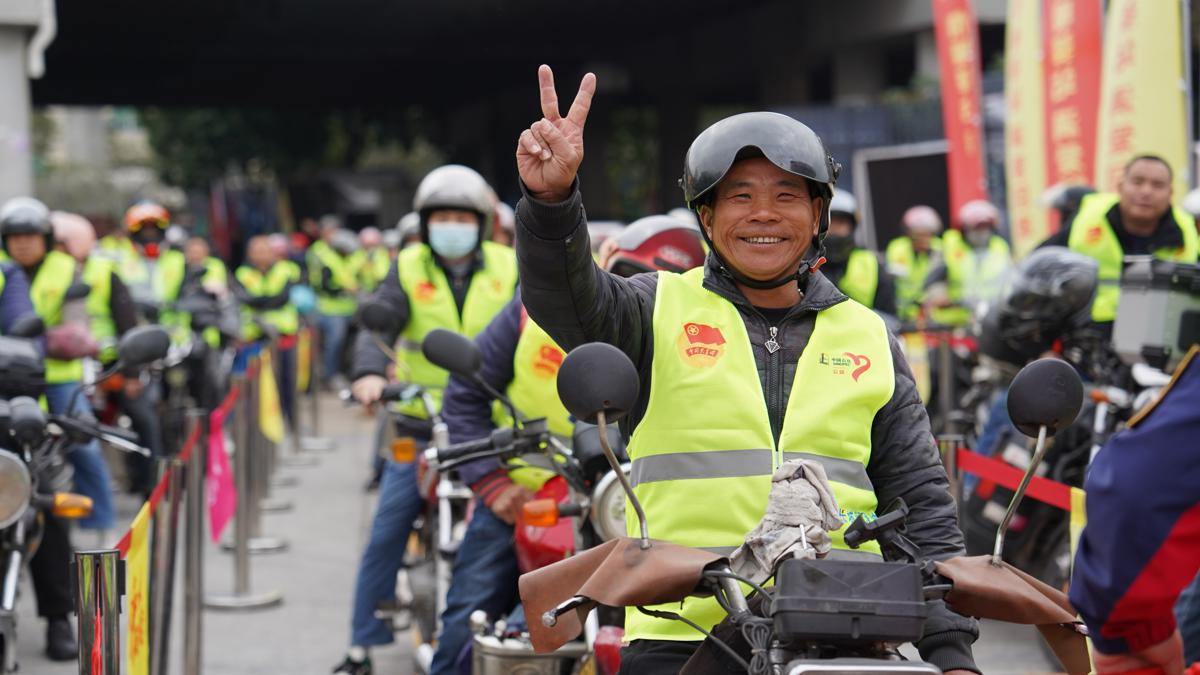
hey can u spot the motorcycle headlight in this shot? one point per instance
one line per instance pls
(16, 487)
(608, 506)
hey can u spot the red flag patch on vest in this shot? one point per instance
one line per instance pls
(701, 345)
(425, 291)
(547, 361)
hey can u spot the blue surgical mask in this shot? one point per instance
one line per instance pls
(453, 240)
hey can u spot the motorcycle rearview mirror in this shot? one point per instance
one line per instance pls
(143, 345)
(377, 318)
(452, 351)
(28, 326)
(1045, 397)
(460, 355)
(599, 384)
(27, 422)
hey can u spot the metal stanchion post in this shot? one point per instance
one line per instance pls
(99, 585)
(249, 470)
(193, 549)
(295, 456)
(946, 382)
(314, 441)
(242, 598)
(948, 445)
(162, 566)
(267, 452)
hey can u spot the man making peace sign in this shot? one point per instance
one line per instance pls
(751, 360)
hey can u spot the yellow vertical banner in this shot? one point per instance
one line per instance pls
(916, 349)
(1078, 519)
(137, 574)
(270, 415)
(303, 358)
(1143, 107)
(1024, 129)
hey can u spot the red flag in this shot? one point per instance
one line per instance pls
(957, 36)
(222, 494)
(698, 332)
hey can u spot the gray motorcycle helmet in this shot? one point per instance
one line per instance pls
(457, 187)
(786, 143)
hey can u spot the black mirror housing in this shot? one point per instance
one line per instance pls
(598, 378)
(452, 351)
(143, 345)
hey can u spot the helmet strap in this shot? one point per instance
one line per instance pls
(800, 276)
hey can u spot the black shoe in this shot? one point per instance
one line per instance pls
(60, 640)
(354, 667)
(373, 484)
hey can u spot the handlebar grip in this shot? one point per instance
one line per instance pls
(398, 391)
(118, 432)
(460, 450)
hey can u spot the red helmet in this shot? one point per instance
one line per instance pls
(657, 243)
(146, 213)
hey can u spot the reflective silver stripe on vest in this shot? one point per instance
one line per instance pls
(409, 345)
(719, 550)
(738, 464)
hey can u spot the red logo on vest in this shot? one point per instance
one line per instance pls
(425, 291)
(862, 362)
(547, 361)
(701, 345)
(1094, 234)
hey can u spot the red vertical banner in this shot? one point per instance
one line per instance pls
(1072, 48)
(957, 35)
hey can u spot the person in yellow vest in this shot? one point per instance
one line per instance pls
(746, 363)
(193, 272)
(974, 265)
(372, 259)
(28, 238)
(263, 286)
(520, 358)
(332, 275)
(856, 271)
(50, 566)
(457, 279)
(1137, 220)
(112, 312)
(134, 249)
(910, 257)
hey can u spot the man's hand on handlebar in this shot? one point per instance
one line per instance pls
(509, 502)
(367, 390)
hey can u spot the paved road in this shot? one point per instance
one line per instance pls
(326, 529)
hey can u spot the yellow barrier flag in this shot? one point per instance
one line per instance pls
(303, 359)
(1143, 91)
(137, 571)
(1078, 519)
(270, 415)
(917, 352)
(1024, 132)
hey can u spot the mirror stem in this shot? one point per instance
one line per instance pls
(1038, 453)
(616, 467)
(383, 347)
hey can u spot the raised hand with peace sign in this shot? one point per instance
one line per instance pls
(550, 151)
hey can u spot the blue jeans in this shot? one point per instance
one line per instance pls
(1187, 614)
(485, 577)
(333, 333)
(91, 472)
(399, 504)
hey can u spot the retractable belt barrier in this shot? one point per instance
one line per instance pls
(198, 481)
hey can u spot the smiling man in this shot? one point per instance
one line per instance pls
(751, 360)
(1137, 220)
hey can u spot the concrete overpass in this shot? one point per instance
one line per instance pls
(471, 63)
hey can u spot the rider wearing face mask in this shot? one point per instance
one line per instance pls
(855, 271)
(455, 279)
(975, 263)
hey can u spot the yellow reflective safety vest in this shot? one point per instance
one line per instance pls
(1093, 236)
(910, 270)
(172, 266)
(861, 278)
(373, 267)
(321, 256)
(97, 273)
(130, 265)
(534, 391)
(47, 291)
(285, 319)
(703, 454)
(971, 276)
(431, 305)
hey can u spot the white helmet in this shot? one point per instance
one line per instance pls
(843, 201)
(1191, 203)
(922, 218)
(455, 187)
(506, 218)
(409, 225)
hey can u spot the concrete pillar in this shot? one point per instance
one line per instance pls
(858, 75)
(16, 147)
